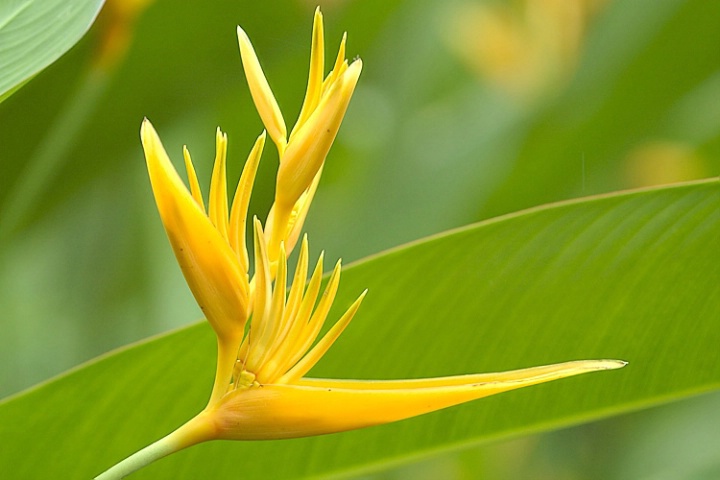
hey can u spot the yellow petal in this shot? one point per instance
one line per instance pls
(317, 352)
(298, 287)
(306, 153)
(218, 201)
(300, 211)
(290, 350)
(207, 261)
(241, 202)
(340, 65)
(270, 368)
(192, 179)
(260, 91)
(262, 310)
(313, 327)
(290, 411)
(277, 309)
(315, 77)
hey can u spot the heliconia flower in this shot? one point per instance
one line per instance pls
(267, 328)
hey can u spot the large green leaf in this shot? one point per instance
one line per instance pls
(634, 276)
(35, 33)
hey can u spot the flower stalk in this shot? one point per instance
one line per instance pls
(197, 430)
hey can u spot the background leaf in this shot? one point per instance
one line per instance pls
(35, 33)
(618, 276)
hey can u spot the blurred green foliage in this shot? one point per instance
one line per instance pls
(429, 143)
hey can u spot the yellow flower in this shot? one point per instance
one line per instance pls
(526, 48)
(260, 389)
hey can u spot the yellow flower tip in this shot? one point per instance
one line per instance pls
(147, 132)
(218, 201)
(339, 61)
(220, 137)
(315, 74)
(260, 91)
(192, 179)
(610, 364)
(257, 225)
(162, 173)
(353, 74)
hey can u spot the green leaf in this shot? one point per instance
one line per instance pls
(35, 33)
(633, 276)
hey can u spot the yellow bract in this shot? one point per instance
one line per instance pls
(209, 263)
(320, 406)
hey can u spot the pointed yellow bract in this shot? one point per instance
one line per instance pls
(317, 406)
(260, 391)
(317, 70)
(209, 264)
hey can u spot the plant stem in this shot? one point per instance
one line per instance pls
(197, 430)
(138, 460)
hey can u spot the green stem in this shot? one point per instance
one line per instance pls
(138, 460)
(197, 430)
